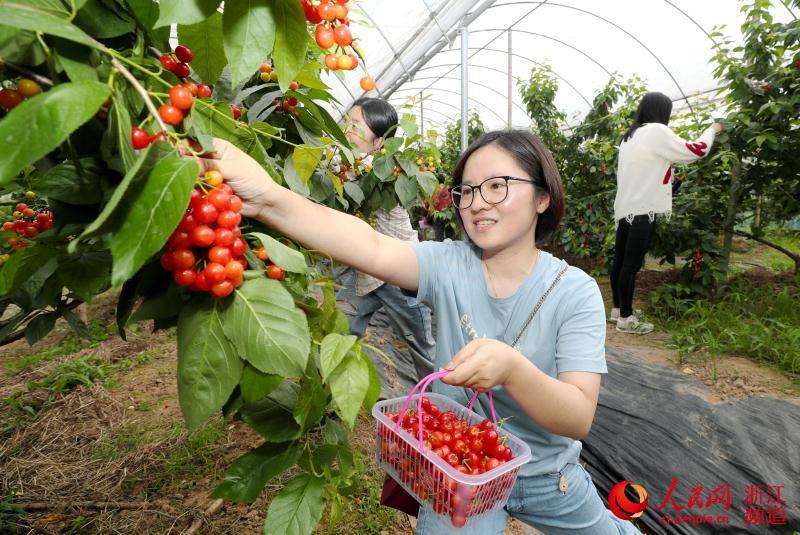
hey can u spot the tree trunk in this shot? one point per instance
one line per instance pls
(730, 216)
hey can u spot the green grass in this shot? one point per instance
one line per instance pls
(70, 344)
(64, 377)
(749, 253)
(762, 323)
(362, 511)
(191, 456)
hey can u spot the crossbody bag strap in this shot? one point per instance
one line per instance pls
(538, 306)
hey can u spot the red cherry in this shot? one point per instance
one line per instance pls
(179, 240)
(220, 255)
(192, 87)
(200, 282)
(184, 53)
(276, 273)
(224, 237)
(233, 269)
(181, 97)
(293, 86)
(10, 98)
(181, 70)
(238, 247)
(170, 114)
(214, 273)
(184, 277)
(203, 91)
(188, 223)
(166, 261)
(9, 225)
(182, 259)
(160, 136)
(168, 62)
(205, 212)
(311, 12)
(228, 219)
(222, 289)
(326, 11)
(324, 37)
(31, 231)
(221, 199)
(236, 111)
(342, 35)
(236, 203)
(203, 236)
(139, 138)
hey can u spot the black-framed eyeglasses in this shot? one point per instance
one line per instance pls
(494, 190)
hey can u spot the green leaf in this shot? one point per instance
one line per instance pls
(268, 330)
(337, 184)
(332, 351)
(291, 40)
(354, 192)
(40, 124)
(307, 78)
(27, 17)
(119, 129)
(205, 40)
(65, 183)
(293, 179)
(76, 60)
(208, 366)
(374, 390)
(311, 403)
(256, 385)
(409, 125)
(155, 213)
(166, 305)
(409, 167)
(427, 182)
(114, 210)
(272, 417)
(246, 477)
(406, 189)
(392, 144)
(349, 384)
(281, 255)
(146, 12)
(210, 122)
(40, 326)
(305, 160)
(383, 167)
(249, 35)
(296, 509)
(186, 11)
(22, 265)
(101, 22)
(86, 274)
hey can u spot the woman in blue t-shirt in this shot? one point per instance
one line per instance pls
(544, 372)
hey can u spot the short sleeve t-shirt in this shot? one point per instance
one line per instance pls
(567, 333)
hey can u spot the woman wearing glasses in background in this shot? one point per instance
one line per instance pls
(546, 377)
(369, 122)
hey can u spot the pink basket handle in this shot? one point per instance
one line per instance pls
(422, 386)
(491, 404)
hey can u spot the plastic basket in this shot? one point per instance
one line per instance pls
(460, 499)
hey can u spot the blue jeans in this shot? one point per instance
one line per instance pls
(539, 502)
(411, 324)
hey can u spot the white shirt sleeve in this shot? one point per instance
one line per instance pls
(671, 147)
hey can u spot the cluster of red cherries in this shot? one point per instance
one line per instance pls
(27, 223)
(206, 252)
(470, 449)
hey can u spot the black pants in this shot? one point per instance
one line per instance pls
(633, 240)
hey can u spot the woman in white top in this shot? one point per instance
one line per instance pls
(644, 190)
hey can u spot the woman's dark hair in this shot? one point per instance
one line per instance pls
(537, 162)
(379, 115)
(655, 107)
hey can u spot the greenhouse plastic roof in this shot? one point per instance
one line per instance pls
(413, 49)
